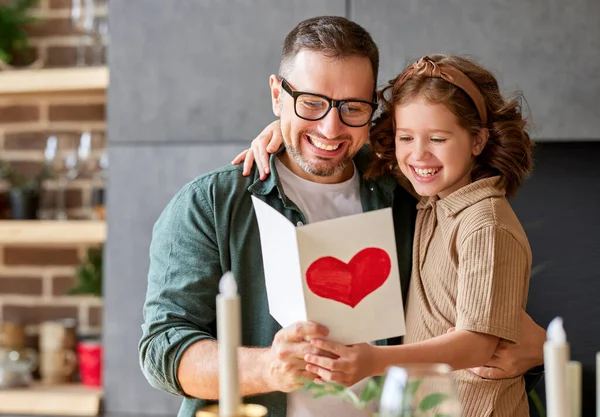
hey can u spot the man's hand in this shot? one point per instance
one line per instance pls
(512, 360)
(345, 364)
(284, 362)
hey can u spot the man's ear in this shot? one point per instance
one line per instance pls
(480, 141)
(275, 84)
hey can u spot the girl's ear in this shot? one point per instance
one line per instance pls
(479, 141)
(275, 84)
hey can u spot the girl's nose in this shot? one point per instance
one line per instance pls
(420, 149)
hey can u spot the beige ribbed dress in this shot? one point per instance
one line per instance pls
(471, 267)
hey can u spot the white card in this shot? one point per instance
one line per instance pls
(342, 273)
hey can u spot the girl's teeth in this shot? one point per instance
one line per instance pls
(427, 172)
(323, 146)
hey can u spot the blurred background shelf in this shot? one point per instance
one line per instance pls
(52, 232)
(53, 400)
(53, 81)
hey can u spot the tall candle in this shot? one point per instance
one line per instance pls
(556, 357)
(574, 388)
(229, 335)
(598, 384)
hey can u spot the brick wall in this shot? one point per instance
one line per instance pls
(34, 284)
(34, 281)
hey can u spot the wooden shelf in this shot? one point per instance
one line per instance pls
(52, 400)
(51, 232)
(53, 81)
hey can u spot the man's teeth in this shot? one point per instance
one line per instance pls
(427, 172)
(322, 145)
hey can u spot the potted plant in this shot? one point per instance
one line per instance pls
(372, 391)
(24, 193)
(14, 46)
(89, 274)
(89, 346)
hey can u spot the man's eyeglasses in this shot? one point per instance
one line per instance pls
(310, 106)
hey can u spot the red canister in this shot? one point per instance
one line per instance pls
(90, 362)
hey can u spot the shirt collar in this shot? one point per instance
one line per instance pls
(465, 196)
(265, 187)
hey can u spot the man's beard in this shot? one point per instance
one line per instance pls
(324, 169)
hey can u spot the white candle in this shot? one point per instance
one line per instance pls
(229, 335)
(598, 384)
(556, 357)
(574, 386)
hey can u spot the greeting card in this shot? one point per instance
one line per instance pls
(342, 273)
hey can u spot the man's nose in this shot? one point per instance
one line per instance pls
(331, 126)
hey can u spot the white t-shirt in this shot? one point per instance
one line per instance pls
(321, 202)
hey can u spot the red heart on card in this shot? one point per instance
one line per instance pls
(349, 283)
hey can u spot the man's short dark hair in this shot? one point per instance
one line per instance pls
(333, 36)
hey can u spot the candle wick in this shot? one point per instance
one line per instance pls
(556, 332)
(228, 286)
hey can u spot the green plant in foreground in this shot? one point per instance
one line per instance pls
(372, 391)
(537, 403)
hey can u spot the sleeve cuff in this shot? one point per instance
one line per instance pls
(185, 338)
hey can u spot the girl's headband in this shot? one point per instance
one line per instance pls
(428, 68)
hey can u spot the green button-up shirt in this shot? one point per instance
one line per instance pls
(209, 228)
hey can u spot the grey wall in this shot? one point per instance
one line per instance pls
(550, 49)
(189, 89)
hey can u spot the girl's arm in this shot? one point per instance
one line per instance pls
(460, 349)
(267, 142)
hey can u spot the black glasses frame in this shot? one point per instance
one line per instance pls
(332, 103)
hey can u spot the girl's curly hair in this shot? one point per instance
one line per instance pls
(508, 151)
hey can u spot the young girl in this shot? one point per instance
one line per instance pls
(446, 128)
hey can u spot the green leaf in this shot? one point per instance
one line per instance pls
(309, 384)
(320, 390)
(14, 18)
(431, 401)
(89, 274)
(409, 392)
(321, 394)
(412, 387)
(442, 415)
(4, 56)
(333, 389)
(371, 391)
(539, 405)
(335, 386)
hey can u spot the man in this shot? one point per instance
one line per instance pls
(324, 99)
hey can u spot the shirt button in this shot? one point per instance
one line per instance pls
(299, 224)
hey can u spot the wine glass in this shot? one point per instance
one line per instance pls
(419, 390)
(74, 165)
(99, 188)
(68, 173)
(77, 21)
(50, 151)
(100, 32)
